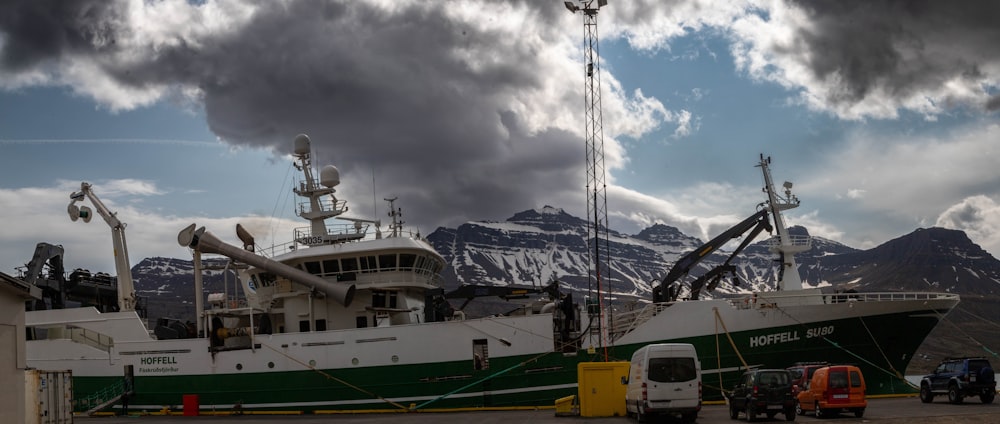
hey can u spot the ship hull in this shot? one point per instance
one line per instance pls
(426, 366)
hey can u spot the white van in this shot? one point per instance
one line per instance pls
(664, 379)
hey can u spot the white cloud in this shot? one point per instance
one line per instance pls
(38, 214)
(979, 217)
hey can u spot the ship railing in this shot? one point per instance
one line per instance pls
(802, 241)
(350, 234)
(886, 296)
(791, 298)
(91, 338)
(626, 321)
(326, 204)
(400, 278)
(100, 397)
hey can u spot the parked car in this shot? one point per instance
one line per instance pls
(763, 391)
(664, 379)
(960, 378)
(802, 372)
(832, 390)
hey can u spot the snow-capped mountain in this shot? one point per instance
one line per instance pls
(535, 246)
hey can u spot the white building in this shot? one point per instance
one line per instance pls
(13, 294)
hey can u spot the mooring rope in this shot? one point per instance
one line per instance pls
(718, 355)
(489, 377)
(893, 372)
(330, 377)
(943, 318)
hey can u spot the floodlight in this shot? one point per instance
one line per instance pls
(571, 7)
(73, 211)
(788, 185)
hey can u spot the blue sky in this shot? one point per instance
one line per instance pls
(884, 118)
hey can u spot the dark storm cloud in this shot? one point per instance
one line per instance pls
(32, 31)
(427, 102)
(901, 47)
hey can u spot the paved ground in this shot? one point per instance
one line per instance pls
(880, 411)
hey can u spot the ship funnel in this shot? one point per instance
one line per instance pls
(207, 242)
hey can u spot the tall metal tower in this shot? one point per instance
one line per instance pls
(598, 287)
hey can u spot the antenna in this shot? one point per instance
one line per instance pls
(597, 203)
(397, 225)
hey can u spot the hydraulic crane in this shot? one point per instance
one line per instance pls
(758, 222)
(126, 290)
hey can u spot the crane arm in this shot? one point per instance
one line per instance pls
(126, 289)
(758, 222)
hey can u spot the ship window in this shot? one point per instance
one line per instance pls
(387, 262)
(349, 264)
(313, 268)
(304, 326)
(406, 261)
(383, 299)
(480, 355)
(331, 266)
(368, 264)
(321, 325)
(266, 279)
(362, 321)
(419, 264)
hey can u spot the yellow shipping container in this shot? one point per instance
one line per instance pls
(600, 388)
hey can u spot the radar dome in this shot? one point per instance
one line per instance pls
(329, 176)
(302, 144)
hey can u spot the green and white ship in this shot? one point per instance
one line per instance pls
(347, 320)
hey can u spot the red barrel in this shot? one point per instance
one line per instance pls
(190, 405)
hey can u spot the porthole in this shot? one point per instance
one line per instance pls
(239, 366)
(395, 358)
(354, 361)
(312, 362)
(270, 364)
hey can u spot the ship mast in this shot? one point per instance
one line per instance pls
(785, 244)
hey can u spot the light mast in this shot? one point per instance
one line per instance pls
(597, 203)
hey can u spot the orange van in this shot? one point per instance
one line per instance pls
(834, 389)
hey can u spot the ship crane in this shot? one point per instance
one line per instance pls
(756, 223)
(126, 290)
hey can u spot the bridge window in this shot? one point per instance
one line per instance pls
(313, 268)
(387, 262)
(368, 264)
(331, 266)
(349, 264)
(406, 261)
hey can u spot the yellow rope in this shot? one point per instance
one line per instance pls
(718, 354)
(731, 342)
(899, 375)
